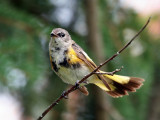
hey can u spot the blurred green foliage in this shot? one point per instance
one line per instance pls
(21, 49)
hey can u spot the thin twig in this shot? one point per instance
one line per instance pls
(109, 73)
(93, 72)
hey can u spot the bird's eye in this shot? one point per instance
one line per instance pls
(61, 34)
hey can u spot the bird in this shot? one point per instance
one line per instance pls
(71, 63)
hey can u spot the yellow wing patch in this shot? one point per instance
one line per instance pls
(73, 58)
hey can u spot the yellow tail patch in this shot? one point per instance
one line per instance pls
(120, 85)
(103, 87)
(118, 78)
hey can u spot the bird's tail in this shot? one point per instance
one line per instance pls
(120, 85)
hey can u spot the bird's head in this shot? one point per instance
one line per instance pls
(60, 37)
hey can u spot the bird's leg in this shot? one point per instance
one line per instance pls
(109, 73)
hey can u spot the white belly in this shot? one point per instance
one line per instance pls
(71, 76)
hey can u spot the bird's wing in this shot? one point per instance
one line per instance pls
(84, 57)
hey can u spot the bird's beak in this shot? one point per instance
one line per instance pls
(53, 35)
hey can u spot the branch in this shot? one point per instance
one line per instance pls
(109, 73)
(64, 94)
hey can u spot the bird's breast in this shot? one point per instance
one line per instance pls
(68, 66)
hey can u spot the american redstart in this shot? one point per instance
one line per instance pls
(71, 64)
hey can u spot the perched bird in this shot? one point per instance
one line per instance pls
(71, 63)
